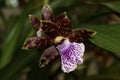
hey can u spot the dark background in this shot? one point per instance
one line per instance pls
(101, 60)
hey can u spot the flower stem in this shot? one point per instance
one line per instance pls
(46, 2)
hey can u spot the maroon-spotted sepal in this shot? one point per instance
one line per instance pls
(61, 26)
(64, 24)
(47, 13)
(48, 56)
(36, 42)
(81, 35)
(35, 22)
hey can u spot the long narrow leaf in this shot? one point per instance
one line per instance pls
(107, 37)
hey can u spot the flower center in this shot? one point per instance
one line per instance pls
(59, 39)
(64, 45)
(39, 33)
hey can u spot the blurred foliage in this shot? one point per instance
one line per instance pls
(102, 56)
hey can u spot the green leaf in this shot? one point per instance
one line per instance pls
(14, 68)
(107, 37)
(11, 42)
(113, 5)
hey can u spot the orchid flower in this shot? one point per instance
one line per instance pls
(56, 34)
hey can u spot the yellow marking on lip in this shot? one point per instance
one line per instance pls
(58, 39)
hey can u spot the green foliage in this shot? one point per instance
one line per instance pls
(107, 36)
(113, 6)
(16, 65)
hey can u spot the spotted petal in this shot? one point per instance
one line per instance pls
(35, 22)
(47, 13)
(48, 56)
(81, 35)
(35, 42)
(71, 55)
(61, 26)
